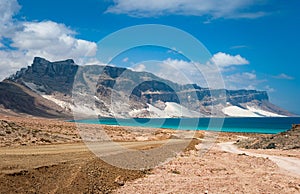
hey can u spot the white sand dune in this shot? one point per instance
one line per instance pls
(173, 110)
(60, 103)
(263, 112)
(235, 111)
(156, 112)
(176, 110)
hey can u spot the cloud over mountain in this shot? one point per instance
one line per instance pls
(25, 40)
(8, 8)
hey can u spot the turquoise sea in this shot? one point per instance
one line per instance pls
(266, 125)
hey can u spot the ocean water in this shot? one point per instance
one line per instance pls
(265, 125)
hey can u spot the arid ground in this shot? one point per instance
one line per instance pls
(49, 156)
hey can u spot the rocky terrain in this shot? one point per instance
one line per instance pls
(13, 134)
(107, 91)
(48, 156)
(22, 131)
(286, 140)
(215, 172)
(80, 172)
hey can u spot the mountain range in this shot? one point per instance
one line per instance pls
(58, 89)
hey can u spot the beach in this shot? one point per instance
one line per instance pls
(48, 156)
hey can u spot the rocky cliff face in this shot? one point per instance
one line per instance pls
(52, 77)
(113, 91)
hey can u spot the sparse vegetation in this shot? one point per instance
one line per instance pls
(286, 140)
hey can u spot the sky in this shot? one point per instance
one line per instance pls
(255, 43)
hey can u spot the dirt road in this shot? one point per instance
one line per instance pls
(22, 158)
(71, 168)
(216, 171)
(291, 165)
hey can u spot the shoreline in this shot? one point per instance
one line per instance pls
(77, 169)
(236, 125)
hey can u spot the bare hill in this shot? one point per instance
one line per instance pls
(285, 140)
(19, 98)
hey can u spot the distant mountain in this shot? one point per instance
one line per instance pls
(119, 92)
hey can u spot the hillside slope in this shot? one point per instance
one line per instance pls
(285, 140)
(20, 99)
(108, 91)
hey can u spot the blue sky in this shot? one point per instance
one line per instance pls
(258, 40)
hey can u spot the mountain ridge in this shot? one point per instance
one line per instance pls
(119, 92)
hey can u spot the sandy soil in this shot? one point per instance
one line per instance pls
(295, 153)
(66, 168)
(48, 156)
(215, 172)
(290, 164)
(16, 131)
(76, 173)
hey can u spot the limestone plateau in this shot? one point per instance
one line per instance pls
(57, 89)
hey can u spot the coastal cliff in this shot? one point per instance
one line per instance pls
(119, 92)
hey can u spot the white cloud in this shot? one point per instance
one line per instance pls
(208, 75)
(89, 61)
(139, 68)
(125, 60)
(178, 71)
(245, 80)
(174, 50)
(269, 89)
(7, 10)
(283, 76)
(238, 47)
(12, 61)
(213, 8)
(47, 39)
(51, 40)
(184, 72)
(224, 60)
(241, 77)
(211, 74)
